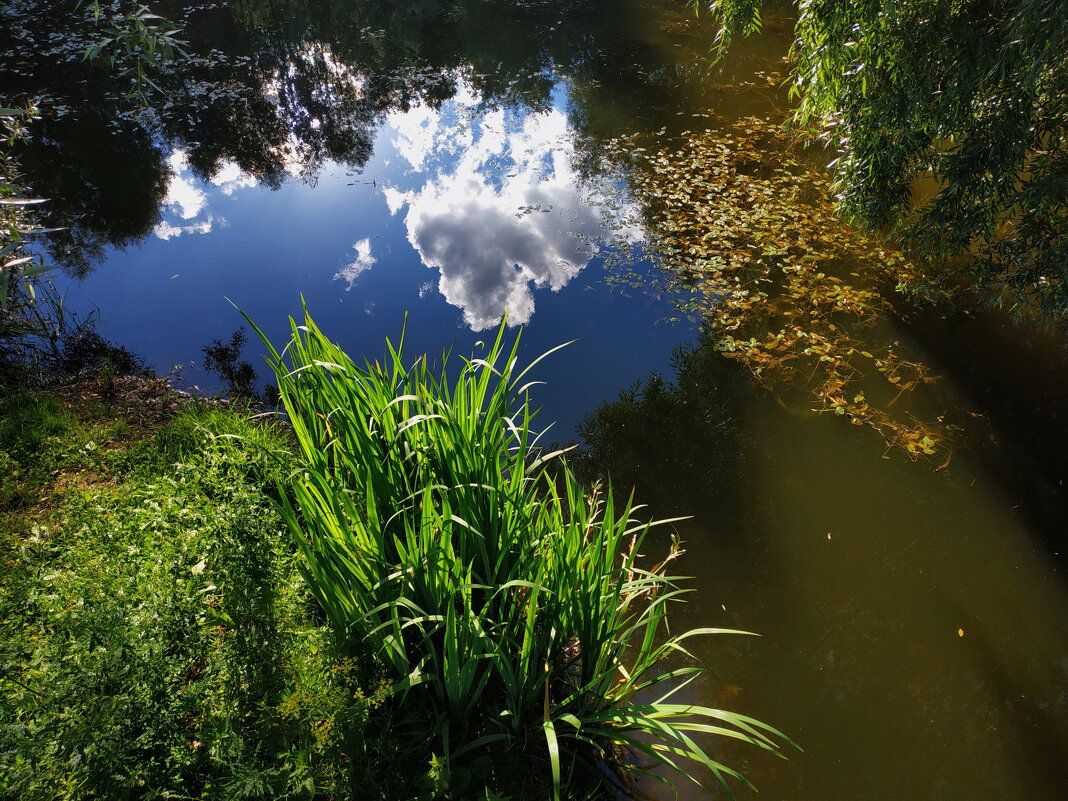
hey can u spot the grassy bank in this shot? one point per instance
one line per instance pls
(156, 639)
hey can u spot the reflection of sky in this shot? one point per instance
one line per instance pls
(491, 202)
(184, 207)
(460, 216)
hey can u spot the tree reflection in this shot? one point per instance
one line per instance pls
(104, 185)
(679, 444)
(281, 88)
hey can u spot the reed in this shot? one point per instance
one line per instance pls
(510, 605)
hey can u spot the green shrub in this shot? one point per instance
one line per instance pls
(522, 635)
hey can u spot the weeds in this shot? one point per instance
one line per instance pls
(521, 633)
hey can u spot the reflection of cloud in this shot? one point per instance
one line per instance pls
(165, 230)
(415, 135)
(395, 199)
(420, 133)
(507, 215)
(183, 196)
(187, 200)
(361, 263)
(229, 178)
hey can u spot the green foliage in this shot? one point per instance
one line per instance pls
(522, 635)
(951, 121)
(16, 221)
(155, 639)
(138, 43)
(42, 343)
(27, 421)
(200, 429)
(38, 439)
(39, 340)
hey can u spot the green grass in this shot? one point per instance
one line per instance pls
(27, 420)
(523, 636)
(39, 438)
(156, 639)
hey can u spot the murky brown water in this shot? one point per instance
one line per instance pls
(914, 623)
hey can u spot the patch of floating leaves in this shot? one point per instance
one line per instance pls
(744, 225)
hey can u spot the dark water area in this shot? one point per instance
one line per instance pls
(1015, 376)
(913, 623)
(447, 160)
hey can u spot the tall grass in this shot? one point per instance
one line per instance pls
(509, 605)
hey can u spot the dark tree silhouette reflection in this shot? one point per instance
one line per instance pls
(281, 88)
(678, 442)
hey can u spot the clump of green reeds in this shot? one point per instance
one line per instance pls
(508, 603)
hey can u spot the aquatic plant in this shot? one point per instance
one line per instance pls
(138, 44)
(522, 631)
(16, 219)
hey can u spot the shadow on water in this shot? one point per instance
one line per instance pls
(1018, 377)
(915, 627)
(672, 439)
(1034, 722)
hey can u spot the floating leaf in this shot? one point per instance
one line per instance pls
(734, 211)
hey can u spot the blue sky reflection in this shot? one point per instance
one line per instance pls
(461, 215)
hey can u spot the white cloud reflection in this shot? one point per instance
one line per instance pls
(183, 195)
(165, 230)
(186, 200)
(362, 262)
(501, 211)
(230, 178)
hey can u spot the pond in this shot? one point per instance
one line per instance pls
(452, 161)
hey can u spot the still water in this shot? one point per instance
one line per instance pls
(445, 160)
